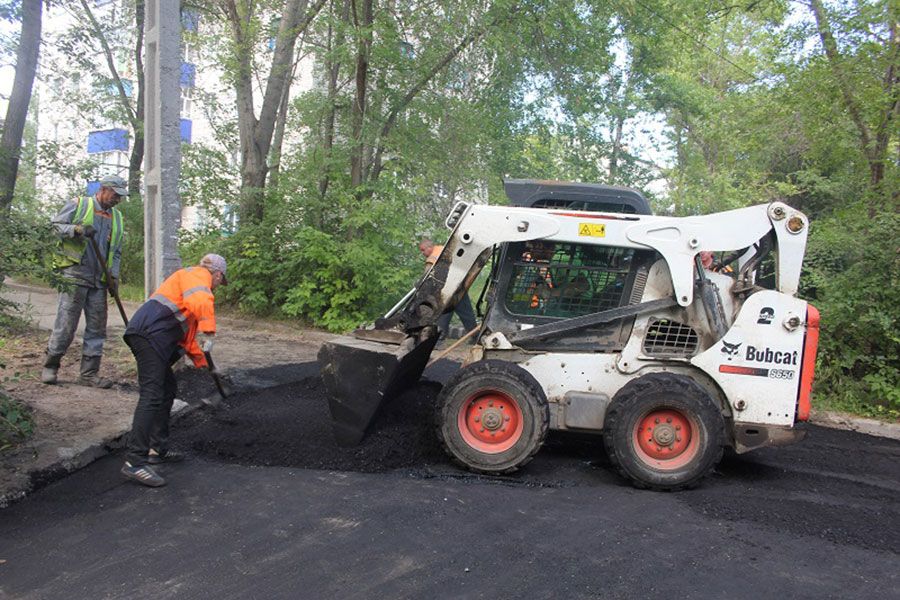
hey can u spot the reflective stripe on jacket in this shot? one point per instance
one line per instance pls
(183, 305)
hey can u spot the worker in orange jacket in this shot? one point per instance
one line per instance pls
(178, 319)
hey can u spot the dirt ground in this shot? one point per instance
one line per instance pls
(75, 424)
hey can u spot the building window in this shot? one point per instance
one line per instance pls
(187, 102)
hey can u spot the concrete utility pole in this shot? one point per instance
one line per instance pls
(162, 136)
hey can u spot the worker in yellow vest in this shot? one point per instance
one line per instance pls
(88, 217)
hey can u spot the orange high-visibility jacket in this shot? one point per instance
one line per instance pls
(187, 294)
(435, 254)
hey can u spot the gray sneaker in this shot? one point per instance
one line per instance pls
(143, 474)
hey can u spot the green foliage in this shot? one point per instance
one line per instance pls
(751, 110)
(338, 280)
(131, 267)
(16, 422)
(853, 272)
(26, 244)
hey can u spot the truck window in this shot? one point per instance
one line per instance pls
(566, 280)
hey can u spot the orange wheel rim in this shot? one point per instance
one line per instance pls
(666, 439)
(490, 421)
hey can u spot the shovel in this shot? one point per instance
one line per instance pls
(113, 293)
(220, 385)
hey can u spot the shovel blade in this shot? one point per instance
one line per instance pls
(360, 375)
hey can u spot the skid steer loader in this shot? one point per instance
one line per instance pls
(601, 318)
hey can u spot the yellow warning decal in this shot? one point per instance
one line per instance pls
(592, 229)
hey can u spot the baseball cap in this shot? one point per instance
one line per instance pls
(215, 262)
(116, 184)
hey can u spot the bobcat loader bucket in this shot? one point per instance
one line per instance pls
(361, 374)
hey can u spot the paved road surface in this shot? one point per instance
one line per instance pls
(816, 520)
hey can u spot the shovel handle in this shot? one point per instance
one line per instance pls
(115, 293)
(216, 378)
(453, 347)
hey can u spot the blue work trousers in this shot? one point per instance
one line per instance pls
(91, 301)
(464, 311)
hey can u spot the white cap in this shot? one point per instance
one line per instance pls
(215, 262)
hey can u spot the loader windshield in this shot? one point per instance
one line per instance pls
(566, 280)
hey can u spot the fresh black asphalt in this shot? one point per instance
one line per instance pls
(820, 519)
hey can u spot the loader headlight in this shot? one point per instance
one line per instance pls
(795, 224)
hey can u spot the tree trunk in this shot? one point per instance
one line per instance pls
(278, 137)
(256, 133)
(616, 148)
(874, 147)
(335, 40)
(134, 114)
(420, 85)
(17, 110)
(364, 33)
(137, 149)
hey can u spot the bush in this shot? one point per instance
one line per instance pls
(338, 270)
(853, 270)
(16, 422)
(26, 244)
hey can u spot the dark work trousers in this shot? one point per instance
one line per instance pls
(464, 311)
(150, 428)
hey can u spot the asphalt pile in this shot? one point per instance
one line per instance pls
(290, 426)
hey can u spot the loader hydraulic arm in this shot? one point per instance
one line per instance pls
(476, 229)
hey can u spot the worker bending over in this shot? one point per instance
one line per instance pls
(178, 318)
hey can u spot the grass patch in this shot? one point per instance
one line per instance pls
(16, 422)
(849, 400)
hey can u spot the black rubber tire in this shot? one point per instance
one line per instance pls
(660, 391)
(510, 379)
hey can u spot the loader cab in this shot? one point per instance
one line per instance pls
(539, 282)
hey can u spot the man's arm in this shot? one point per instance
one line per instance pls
(201, 304)
(192, 349)
(62, 222)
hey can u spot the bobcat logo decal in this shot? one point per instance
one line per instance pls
(730, 350)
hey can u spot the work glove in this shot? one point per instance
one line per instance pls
(205, 341)
(85, 230)
(113, 286)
